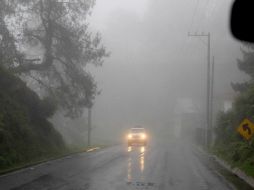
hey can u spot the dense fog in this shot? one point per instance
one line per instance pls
(125, 94)
(154, 67)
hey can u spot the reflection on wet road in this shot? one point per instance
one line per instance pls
(136, 163)
(172, 166)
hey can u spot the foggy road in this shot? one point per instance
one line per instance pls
(160, 166)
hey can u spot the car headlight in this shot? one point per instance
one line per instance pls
(143, 136)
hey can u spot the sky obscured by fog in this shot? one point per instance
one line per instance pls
(154, 64)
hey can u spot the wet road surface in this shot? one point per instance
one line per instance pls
(161, 166)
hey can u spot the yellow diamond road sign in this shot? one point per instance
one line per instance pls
(246, 129)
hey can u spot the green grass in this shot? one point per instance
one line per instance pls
(237, 155)
(248, 168)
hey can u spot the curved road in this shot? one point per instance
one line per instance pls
(158, 167)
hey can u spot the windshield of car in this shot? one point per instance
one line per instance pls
(137, 130)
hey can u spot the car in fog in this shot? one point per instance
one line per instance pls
(137, 136)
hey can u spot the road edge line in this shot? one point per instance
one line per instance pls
(236, 171)
(31, 166)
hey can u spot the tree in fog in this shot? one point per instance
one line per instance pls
(246, 65)
(8, 51)
(243, 104)
(59, 32)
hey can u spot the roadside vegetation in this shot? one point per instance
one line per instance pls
(45, 47)
(229, 144)
(25, 133)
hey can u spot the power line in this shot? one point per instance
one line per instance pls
(203, 18)
(194, 14)
(183, 46)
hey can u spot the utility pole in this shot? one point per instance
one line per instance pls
(211, 103)
(89, 126)
(208, 36)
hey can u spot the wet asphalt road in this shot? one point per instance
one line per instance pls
(160, 166)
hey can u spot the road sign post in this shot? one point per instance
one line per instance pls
(246, 129)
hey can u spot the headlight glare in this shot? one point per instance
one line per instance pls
(143, 136)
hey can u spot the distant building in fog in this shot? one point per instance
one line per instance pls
(188, 117)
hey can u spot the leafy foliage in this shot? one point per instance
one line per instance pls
(60, 36)
(229, 144)
(46, 43)
(8, 51)
(25, 133)
(245, 65)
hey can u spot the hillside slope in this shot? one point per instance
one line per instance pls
(25, 133)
